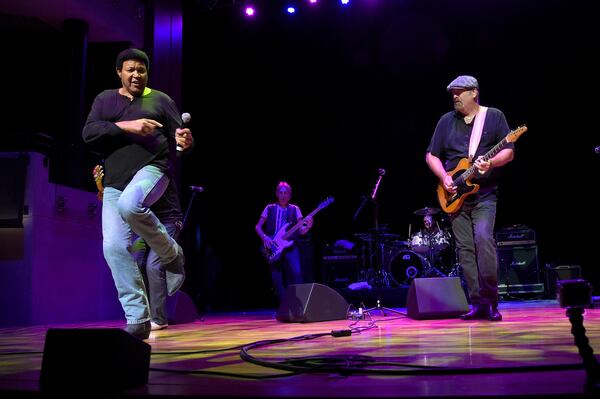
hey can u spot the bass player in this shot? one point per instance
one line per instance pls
(280, 215)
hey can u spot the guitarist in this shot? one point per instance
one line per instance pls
(286, 270)
(459, 134)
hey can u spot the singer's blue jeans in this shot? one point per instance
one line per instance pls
(127, 212)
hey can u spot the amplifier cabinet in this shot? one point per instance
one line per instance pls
(518, 270)
(339, 271)
(561, 272)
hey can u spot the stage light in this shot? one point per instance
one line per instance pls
(345, 2)
(312, 1)
(250, 11)
(291, 10)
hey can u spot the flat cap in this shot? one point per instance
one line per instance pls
(463, 82)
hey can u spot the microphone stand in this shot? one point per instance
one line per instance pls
(360, 207)
(374, 198)
(378, 243)
(195, 190)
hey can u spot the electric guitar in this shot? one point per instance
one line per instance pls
(98, 173)
(281, 240)
(462, 174)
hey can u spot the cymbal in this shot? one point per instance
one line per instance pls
(426, 211)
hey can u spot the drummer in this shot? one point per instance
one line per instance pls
(430, 226)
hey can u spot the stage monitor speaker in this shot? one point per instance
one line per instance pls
(181, 309)
(94, 359)
(562, 272)
(436, 298)
(518, 270)
(306, 303)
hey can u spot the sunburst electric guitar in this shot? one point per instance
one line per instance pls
(98, 173)
(281, 240)
(462, 174)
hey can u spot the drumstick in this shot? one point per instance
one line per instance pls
(438, 225)
(409, 226)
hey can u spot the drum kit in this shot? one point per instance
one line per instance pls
(389, 260)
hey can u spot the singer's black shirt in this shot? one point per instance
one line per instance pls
(125, 154)
(450, 143)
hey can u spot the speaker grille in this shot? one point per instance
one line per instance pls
(518, 270)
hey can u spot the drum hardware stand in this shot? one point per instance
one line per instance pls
(382, 309)
(430, 258)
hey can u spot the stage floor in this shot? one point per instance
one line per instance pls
(422, 358)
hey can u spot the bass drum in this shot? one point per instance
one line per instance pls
(406, 266)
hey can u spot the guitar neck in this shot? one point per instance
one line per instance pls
(299, 224)
(488, 155)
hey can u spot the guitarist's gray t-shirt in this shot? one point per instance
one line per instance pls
(450, 143)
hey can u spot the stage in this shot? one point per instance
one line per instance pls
(412, 358)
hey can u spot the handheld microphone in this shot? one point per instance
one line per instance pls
(197, 189)
(186, 118)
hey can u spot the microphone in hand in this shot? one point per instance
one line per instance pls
(186, 118)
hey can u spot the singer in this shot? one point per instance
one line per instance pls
(137, 129)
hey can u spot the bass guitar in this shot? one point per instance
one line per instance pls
(281, 240)
(463, 173)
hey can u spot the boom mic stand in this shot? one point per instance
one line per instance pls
(380, 277)
(195, 190)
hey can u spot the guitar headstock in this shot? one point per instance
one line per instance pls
(98, 173)
(515, 134)
(326, 203)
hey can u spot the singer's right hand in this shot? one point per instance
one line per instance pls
(142, 127)
(184, 138)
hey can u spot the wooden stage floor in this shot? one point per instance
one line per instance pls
(532, 334)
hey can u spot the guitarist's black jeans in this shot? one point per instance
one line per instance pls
(473, 228)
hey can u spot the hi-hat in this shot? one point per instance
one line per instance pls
(426, 211)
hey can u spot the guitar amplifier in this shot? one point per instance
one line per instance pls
(515, 235)
(518, 270)
(561, 272)
(339, 271)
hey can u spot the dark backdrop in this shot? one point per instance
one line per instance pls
(325, 97)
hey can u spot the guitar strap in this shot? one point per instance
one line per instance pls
(476, 132)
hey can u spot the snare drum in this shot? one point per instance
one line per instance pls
(419, 242)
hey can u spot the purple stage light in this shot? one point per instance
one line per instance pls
(291, 10)
(250, 11)
(345, 2)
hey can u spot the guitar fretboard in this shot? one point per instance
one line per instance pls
(488, 155)
(299, 224)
